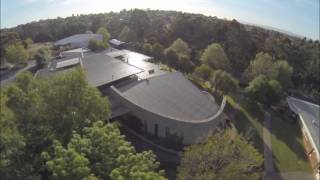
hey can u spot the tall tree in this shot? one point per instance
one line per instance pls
(264, 90)
(103, 151)
(261, 65)
(215, 57)
(139, 21)
(127, 35)
(223, 82)
(106, 36)
(16, 54)
(221, 156)
(284, 73)
(157, 51)
(203, 71)
(182, 51)
(11, 141)
(42, 57)
(181, 48)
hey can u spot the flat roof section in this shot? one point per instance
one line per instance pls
(171, 95)
(66, 63)
(102, 69)
(139, 60)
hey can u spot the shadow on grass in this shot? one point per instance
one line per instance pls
(287, 144)
(286, 138)
(248, 119)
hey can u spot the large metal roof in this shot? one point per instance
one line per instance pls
(102, 69)
(78, 40)
(171, 95)
(310, 114)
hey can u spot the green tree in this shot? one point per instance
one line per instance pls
(182, 51)
(220, 157)
(72, 104)
(203, 71)
(27, 43)
(138, 22)
(180, 47)
(261, 65)
(284, 73)
(42, 57)
(16, 54)
(106, 36)
(127, 35)
(46, 110)
(215, 57)
(67, 163)
(95, 45)
(11, 141)
(107, 152)
(172, 59)
(157, 51)
(223, 82)
(264, 90)
(147, 47)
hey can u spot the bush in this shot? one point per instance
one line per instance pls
(42, 57)
(95, 45)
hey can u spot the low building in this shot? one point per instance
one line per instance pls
(78, 40)
(166, 103)
(169, 104)
(117, 43)
(309, 119)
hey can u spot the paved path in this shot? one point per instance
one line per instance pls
(9, 77)
(268, 159)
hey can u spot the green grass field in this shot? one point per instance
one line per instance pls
(248, 120)
(286, 138)
(287, 145)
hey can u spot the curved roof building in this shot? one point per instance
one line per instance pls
(171, 104)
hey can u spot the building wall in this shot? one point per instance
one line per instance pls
(190, 131)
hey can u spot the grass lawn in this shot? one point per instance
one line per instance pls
(287, 145)
(288, 151)
(248, 120)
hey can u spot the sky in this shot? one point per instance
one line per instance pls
(297, 16)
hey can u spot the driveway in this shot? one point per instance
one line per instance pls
(8, 77)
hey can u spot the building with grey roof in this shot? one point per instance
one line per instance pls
(101, 69)
(171, 104)
(78, 40)
(309, 115)
(166, 103)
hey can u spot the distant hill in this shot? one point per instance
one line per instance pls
(285, 32)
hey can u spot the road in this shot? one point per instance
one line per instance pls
(7, 78)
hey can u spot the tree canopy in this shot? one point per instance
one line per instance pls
(59, 129)
(220, 157)
(215, 57)
(262, 65)
(101, 152)
(203, 71)
(106, 36)
(95, 45)
(42, 57)
(223, 82)
(178, 55)
(264, 90)
(16, 54)
(127, 35)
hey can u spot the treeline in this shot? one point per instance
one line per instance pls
(144, 29)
